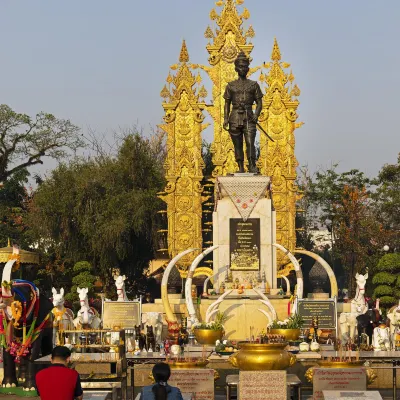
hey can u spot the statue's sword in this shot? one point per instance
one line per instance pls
(263, 131)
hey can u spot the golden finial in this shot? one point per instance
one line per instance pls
(198, 78)
(8, 243)
(170, 78)
(295, 91)
(262, 77)
(165, 93)
(184, 55)
(203, 92)
(208, 34)
(213, 14)
(291, 77)
(250, 32)
(276, 53)
(245, 13)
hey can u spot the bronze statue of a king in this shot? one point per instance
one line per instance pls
(240, 120)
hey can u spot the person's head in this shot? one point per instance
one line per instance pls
(60, 355)
(242, 65)
(161, 374)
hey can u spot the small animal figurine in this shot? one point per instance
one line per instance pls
(150, 339)
(139, 338)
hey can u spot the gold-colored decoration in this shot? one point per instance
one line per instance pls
(208, 336)
(16, 312)
(184, 164)
(24, 257)
(202, 271)
(184, 55)
(261, 357)
(278, 118)
(277, 159)
(227, 41)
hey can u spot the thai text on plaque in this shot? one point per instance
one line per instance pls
(244, 244)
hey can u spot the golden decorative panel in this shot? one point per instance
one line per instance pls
(183, 106)
(184, 117)
(277, 159)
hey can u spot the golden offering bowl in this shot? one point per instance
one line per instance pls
(181, 364)
(290, 334)
(262, 357)
(208, 336)
(371, 375)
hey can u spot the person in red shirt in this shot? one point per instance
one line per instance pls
(59, 382)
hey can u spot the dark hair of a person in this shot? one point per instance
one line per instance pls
(61, 352)
(161, 374)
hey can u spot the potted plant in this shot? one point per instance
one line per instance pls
(290, 327)
(210, 332)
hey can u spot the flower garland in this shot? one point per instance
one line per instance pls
(16, 312)
(58, 314)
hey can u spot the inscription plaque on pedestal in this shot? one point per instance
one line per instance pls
(124, 314)
(244, 244)
(325, 310)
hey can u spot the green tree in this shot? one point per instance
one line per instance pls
(387, 200)
(82, 278)
(343, 203)
(13, 195)
(103, 210)
(24, 141)
(387, 284)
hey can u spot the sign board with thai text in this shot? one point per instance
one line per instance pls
(261, 385)
(122, 314)
(199, 382)
(244, 244)
(339, 379)
(351, 395)
(325, 310)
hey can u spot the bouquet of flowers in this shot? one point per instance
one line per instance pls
(293, 322)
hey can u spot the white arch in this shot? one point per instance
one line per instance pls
(299, 273)
(170, 317)
(221, 270)
(326, 266)
(188, 285)
(287, 284)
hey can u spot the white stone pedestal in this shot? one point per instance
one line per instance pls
(251, 192)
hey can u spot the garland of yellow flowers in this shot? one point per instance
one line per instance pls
(16, 312)
(58, 314)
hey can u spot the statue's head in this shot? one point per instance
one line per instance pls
(242, 63)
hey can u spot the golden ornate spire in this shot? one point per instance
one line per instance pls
(226, 41)
(276, 53)
(184, 164)
(277, 159)
(184, 55)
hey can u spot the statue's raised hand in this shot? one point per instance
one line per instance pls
(226, 124)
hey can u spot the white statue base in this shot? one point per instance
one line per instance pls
(244, 227)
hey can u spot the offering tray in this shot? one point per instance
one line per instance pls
(100, 377)
(340, 364)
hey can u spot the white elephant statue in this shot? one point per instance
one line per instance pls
(154, 319)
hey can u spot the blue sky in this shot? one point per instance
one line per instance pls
(103, 63)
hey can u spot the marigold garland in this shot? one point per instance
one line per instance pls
(16, 312)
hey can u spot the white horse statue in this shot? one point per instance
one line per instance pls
(381, 338)
(87, 317)
(120, 284)
(63, 317)
(358, 306)
(153, 319)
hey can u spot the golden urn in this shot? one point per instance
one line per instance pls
(261, 357)
(371, 375)
(208, 336)
(290, 334)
